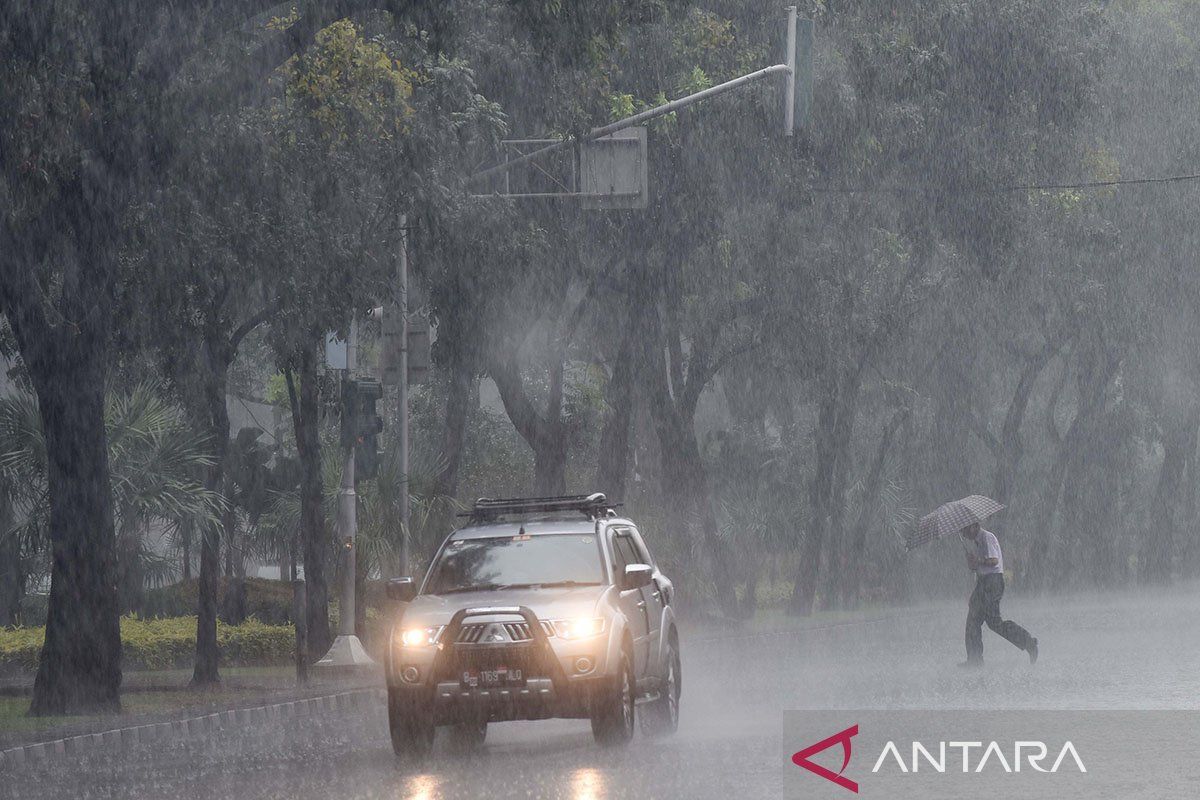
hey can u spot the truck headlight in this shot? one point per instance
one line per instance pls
(420, 637)
(581, 628)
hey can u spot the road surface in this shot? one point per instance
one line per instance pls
(1123, 651)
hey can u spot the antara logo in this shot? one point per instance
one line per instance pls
(801, 759)
(1037, 753)
(1033, 753)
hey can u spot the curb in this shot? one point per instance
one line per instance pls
(125, 740)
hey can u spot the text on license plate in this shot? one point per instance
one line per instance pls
(497, 676)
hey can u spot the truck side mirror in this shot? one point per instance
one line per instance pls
(402, 589)
(636, 576)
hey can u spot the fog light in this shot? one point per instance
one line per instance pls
(411, 674)
(583, 664)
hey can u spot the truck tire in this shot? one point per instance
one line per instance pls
(411, 725)
(613, 711)
(660, 717)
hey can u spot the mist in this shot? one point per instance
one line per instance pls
(284, 289)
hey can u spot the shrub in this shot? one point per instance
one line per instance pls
(164, 644)
(266, 600)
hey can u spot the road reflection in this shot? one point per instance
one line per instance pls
(587, 783)
(423, 787)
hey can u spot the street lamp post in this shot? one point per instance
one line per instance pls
(402, 396)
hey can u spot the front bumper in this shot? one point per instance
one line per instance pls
(553, 683)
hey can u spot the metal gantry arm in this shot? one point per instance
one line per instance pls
(788, 68)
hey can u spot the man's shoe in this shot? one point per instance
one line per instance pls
(1033, 651)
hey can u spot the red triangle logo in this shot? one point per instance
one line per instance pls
(801, 759)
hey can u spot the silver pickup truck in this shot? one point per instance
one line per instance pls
(538, 608)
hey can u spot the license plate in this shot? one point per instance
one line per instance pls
(493, 676)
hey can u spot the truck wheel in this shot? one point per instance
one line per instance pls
(661, 717)
(613, 712)
(410, 724)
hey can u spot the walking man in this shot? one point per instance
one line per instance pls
(986, 561)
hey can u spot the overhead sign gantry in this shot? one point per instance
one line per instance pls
(606, 168)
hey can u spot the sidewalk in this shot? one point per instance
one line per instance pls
(150, 698)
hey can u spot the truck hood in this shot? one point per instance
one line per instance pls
(428, 610)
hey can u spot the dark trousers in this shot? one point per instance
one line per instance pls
(985, 607)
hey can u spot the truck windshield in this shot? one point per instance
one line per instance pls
(512, 562)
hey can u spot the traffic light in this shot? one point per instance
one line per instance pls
(367, 424)
(368, 427)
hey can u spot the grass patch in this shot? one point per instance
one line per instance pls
(239, 685)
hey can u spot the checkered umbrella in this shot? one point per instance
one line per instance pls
(951, 518)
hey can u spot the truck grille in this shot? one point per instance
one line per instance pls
(517, 631)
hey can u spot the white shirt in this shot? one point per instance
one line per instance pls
(987, 546)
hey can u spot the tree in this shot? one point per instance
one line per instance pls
(154, 457)
(83, 90)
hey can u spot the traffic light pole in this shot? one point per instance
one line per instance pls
(347, 652)
(402, 397)
(347, 525)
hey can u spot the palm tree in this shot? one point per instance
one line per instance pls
(155, 459)
(379, 534)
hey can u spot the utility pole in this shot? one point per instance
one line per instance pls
(789, 90)
(402, 396)
(347, 651)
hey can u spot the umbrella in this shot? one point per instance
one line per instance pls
(950, 518)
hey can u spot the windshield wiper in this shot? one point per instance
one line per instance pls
(493, 587)
(479, 587)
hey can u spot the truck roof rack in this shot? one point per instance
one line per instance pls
(592, 506)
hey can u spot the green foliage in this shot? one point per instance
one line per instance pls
(350, 87)
(165, 644)
(155, 458)
(266, 600)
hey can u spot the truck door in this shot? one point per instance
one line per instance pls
(632, 601)
(655, 602)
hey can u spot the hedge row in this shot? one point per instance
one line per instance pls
(266, 600)
(165, 644)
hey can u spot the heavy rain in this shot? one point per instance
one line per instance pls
(831, 358)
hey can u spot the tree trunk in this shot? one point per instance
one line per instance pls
(613, 460)
(550, 450)
(819, 489)
(684, 479)
(1093, 379)
(1191, 563)
(1156, 553)
(550, 465)
(866, 513)
(12, 576)
(826, 492)
(314, 535)
(458, 403)
(1010, 434)
(841, 578)
(185, 544)
(545, 434)
(79, 670)
(1008, 449)
(213, 368)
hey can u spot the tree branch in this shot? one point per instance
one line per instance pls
(507, 376)
(20, 301)
(980, 429)
(248, 325)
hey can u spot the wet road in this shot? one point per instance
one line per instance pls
(1123, 651)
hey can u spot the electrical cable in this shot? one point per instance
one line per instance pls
(1026, 187)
